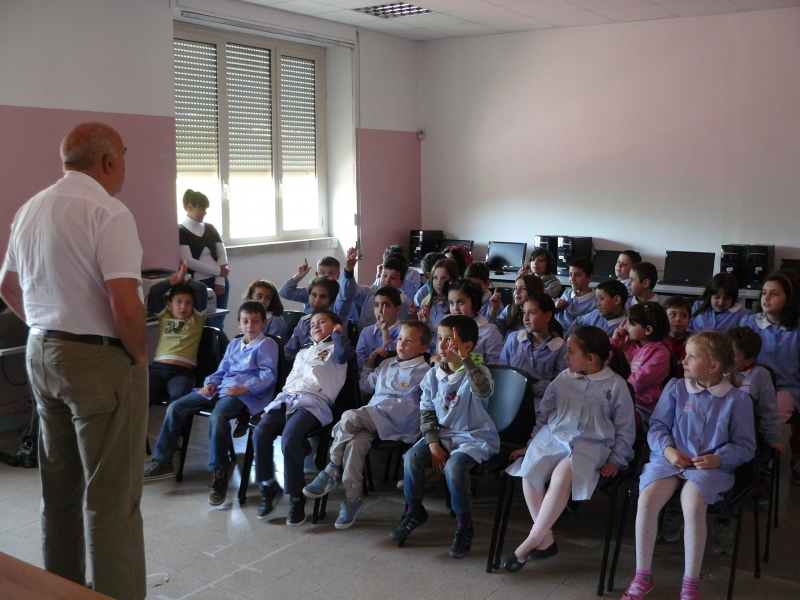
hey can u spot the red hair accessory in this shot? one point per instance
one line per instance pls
(789, 281)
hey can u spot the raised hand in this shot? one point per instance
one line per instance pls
(455, 350)
(381, 351)
(352, 258)
(496, 302)
(302, 270)
(424, 314)
(523, 270)
(179, 276)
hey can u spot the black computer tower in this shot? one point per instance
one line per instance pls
(732, 260)
(421, 242)
(548, 242)
(760, 262)
(570, 248)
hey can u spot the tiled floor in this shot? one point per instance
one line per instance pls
(199, 552)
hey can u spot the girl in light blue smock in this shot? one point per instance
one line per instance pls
(509, 319)
(718, 309)
(700, 431)
(585, 431)
(539, 348)
(265, 292)
(465, 297)
(434, 307)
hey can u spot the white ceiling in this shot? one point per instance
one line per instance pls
(464, 18)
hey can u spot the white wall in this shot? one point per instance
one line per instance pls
(671, 134)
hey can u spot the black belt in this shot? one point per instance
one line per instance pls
(96, 340)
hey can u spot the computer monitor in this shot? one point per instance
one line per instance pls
(505, 257)
(604, 262)
(791, 263)
(688, 268)
(445, 243)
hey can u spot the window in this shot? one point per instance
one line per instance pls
(249, 133)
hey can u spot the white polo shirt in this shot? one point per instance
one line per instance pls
(66, 242)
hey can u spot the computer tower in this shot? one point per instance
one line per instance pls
(421, 242)
(570, 248)
(548, 242)
(732, 260)
(760, 262)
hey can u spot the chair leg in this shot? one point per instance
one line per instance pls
(777, 487)
(185, 434)
(504, 526)
(498, 516)
(389, 455)
(368, 465)
(147, 450)
(620, 532)
(735, 557)
(247, 465)
(399, 465)
(315, 514)
(364, 486)
(772, 508)
(756, 533)
(607, 543)
(232, 452)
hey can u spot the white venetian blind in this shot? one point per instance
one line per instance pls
(298, 115)
(196, 106)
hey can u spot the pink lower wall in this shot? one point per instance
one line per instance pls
(390, 181)
(30, 162)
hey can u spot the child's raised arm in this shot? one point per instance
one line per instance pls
(342, 348)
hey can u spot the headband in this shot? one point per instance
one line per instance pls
(789, 281)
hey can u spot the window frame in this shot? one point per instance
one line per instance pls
(278, 48)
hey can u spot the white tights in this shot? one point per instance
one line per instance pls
(545, 508)
(653, 498)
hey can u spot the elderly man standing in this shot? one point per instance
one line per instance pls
(72, 272)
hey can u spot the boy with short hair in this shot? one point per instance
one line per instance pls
(180, 307)
(393, 273)
(328, 267)
(610, 312)
(323, 294)
(458, 432)
(428, 261)
(386, 306)
(245, 379)
(392, 414)
(579, 299)
(642, 280)
(412, 282)
(679, 311)
(478, 273)
(318, 375)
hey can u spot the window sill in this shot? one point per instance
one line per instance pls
(322, 243)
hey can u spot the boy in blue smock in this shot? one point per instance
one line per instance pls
(328, 267)
(393, 274)
(317, 377)
(458, 432)
(386, 304)
(245, 379)
(579, 299)
(610, 299)
(323, 294)
(392, 414)
(413, 280)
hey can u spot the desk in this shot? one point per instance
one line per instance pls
(675, 290)
(14, 350)
(22, 581)
(505, 278)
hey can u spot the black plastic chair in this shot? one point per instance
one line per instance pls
(292, 318)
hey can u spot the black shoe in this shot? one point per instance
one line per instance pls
(241, 427)
(512, 564)
(297, 510)
(462, 542)
(219, 488)
(271, 494)
(409, 523)
(548, 552)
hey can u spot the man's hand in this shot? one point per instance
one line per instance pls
(237, 390)
(707, 461)
(438, 457)
(178, 276)
(609, 470)
(302, 271)
(351, 259)
(677, 458)
(208, 389)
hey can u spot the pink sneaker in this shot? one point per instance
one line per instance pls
(638, 589)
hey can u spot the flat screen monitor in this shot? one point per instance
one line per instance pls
(688, 268)
(792, 264)
(445, 243)
(505, 256)
(604, 262)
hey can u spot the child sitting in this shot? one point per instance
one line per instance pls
(318, 375)
(266, 293)
(678, 310)
(393, 274)
(641, 337)
(387, 306)
(543, 265)
(392, 414)
(478, 273)
(328, 267)
(579, 299)
(412, 283)
(622, 270)
(245, 380)
(457, 256)
(434, 306)
(430, 259)
(539, 348)
(610, 313)
(180, 326)
(465, 299)
(718, 309)
(584, 431)
(701, 430)
(509, 319)
(458, 431)
(643, 277)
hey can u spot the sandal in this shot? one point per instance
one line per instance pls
(638, 589)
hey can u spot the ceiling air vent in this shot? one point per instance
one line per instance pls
(390, 11)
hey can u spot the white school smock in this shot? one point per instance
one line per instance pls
(698, 421)
(589, 418)
(464, 423)
(544, 362)
(396, 389)
(632, 300)
(490, 341)
(576, 307)
(708, 320)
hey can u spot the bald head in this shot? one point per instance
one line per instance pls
(97, 150)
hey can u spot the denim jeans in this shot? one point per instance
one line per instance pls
(222, 302)
(169, 380)
(179, 412)
(456, 473)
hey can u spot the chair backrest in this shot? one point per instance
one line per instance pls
(350, 394)
(292, 318)
(511, 404)
(673, 370)
(772, 374)
(283, 372)
(352, 332)
(209, 354)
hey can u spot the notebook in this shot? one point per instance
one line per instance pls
(604, 262)
(505, 257)
(688, 268)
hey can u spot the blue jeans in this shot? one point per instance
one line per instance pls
(179, 412)
(169, 380)
(456, 473)
(222, 302)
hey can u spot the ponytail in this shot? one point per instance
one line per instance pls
(618, 363)
(593, 340)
